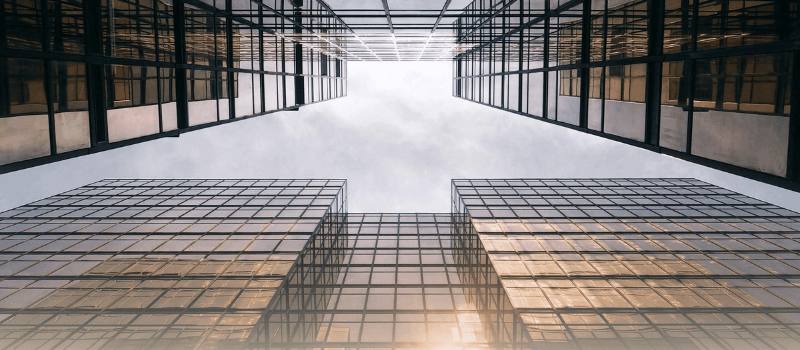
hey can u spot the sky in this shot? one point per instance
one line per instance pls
(398, 138)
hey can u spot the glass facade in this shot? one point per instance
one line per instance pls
(705, 81)
(81, 76)
(708, 81)
(517, 264)
(159, 264)
(633, 263)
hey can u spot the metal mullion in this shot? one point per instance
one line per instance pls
(520, 64)
(654, 72)
(441, 15)
(781, 65)
(546, 63)
(586, 37)
(5, 103)
(793, 156)
(48, 77)
(503, 69)
(216, 89)
(261, 58)
(299, 86)
(604, 53)
(557, 69)
(495, 14)
(691, 79)
(158, 70)
(181, 76)
(550, 14)
(229, 59)
(388, 15)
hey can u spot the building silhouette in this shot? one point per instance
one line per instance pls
(517, 264)
(708, 81)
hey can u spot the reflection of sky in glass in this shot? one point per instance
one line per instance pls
(155, 263)
(613, 264)
(661, 263)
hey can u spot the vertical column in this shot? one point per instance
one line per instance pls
(655, 31)
(95, 74)
(5, 103)
(687, 85)
(503, 65)
(299, 82)
(521, 61)
(60, 70)
(229, 58)
(456, 74)
(546, 63)
(181, 93)
(48, 74)
(159, 93)
(282, 81)
(261, 58)
(785, 32)
(604, 52)
(793, 159)
(586, 31)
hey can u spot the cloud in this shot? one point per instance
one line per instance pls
(399, 138)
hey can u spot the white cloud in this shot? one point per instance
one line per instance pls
(399, 138)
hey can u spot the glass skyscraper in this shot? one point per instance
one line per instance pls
(630, 263)
(707, 81)
(151, 264)
(517, 264)
(82, 76)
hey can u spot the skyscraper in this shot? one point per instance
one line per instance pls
(79, 76)
(630, 263)
(707, 81)
(152, 264)
(518, 263)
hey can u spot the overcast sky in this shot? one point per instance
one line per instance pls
(398, 138)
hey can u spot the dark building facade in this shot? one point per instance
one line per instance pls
(82, 76)
(517, 264)
(706, 81)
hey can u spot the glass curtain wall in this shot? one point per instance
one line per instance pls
(80, 76)
(632, 263)
(160, 264)
(707, 81)
(518, 264)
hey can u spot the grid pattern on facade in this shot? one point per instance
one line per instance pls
(410, 30)
(84, 75)
(398, 285)
(707, 81)
(638, 280)
(127, 273)
(650, 199)
(683, 78)
(518, 264)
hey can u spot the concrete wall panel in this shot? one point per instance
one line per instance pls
(753, 141)
(72, 131)
(129, 123)
(24, 137)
